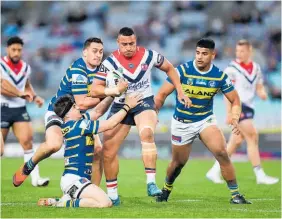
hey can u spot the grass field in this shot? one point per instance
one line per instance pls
(193, 195)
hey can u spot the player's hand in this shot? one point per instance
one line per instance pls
(39, 101)
(185, 100)
(133, 100)
(27, 96)
(235, 128)
(122, 85)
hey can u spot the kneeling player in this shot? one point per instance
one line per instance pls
(78, 131)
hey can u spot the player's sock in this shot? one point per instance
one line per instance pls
(168, 185)
(112, 189)
(170, 179)
(233, 187)
(151, 175)
(73, 203)
(258, 171)
(29, 164)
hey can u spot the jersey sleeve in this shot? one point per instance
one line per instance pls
(231, 73)
(259, 75)
(107, 65)
(28, 71)
(226, 84)
(158, 59)
(87, 127)
(79, 80)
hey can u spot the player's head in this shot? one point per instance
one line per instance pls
(65, 107)
(204, 53)
(93, 51)
(243, 50)
(127, 41)
(14, 49)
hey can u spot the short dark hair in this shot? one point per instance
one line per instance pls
(91, 40)
(244, 42)
(206, 43)
(15, 40)
(63, 105)
(126, 31)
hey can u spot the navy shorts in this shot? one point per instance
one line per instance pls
(148, 104)
(11, 115)
(247, 113)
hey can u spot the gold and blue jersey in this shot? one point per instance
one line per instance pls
(200, 88)
(76, 81)
(79, 145)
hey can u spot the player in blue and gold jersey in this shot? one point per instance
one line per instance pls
(201, 81)
(78, 131)
(76, 82)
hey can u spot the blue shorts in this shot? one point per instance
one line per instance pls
(11, 115)
(247, 113)
(148, 104)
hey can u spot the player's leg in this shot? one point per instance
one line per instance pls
(24, 134)
(213, 139)
(97, 166)
(53, 143)
(4, 134)
(112, 141)
(234, 142)
(146, 123)
(180, 155)
(250, 134)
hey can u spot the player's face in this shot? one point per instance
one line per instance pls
(204, 57)
(127, 45)
(74, 112)
(14, 52)
(243, 53)
(93, 54)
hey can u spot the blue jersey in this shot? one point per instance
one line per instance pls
(76, 81)
(79, 145)
(201, 89)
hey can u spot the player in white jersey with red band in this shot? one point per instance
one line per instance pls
(247, 78)
(135, 64)
(13, 105)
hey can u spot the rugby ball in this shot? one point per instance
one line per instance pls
(112, 78)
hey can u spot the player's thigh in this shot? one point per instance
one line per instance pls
(96, 193)
(180, 153)
(24, 133)
(4, 132)
(112, 139)
(146, 122)
(213, 139)
(248, 129)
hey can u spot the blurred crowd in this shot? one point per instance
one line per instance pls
(54, 32)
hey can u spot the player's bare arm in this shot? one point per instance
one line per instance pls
(234, 99)
(85, 102)
(113, 121)
(9, 90)
(99, 89)
(101, 108)
(172, 74)
(39, 101)
(261, 91)
(166, 89)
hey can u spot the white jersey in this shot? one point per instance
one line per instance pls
(136, 70)
(245, 82)
(17, 75)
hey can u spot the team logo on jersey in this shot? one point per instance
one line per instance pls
(120, 70)
(79, 79)
(144, 67)
(201, 82)
(85, 124)
(190, 81)
(176, 138)
(228, 81)
(131, 65)
(103, 69)
(140, 85)
(212, 83)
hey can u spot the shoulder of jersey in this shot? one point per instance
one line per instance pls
(27, 66)
(79, 63)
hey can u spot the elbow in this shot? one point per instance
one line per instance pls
(82, 106)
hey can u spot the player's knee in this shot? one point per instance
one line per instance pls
(147, 134)
(253, 136)
(222, 156)
(238, 140)
(108, 156)
(26, 142)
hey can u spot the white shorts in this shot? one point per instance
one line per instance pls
(51, 119)
(185, 133)
(73, 185)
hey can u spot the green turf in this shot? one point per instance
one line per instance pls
(193, 195)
